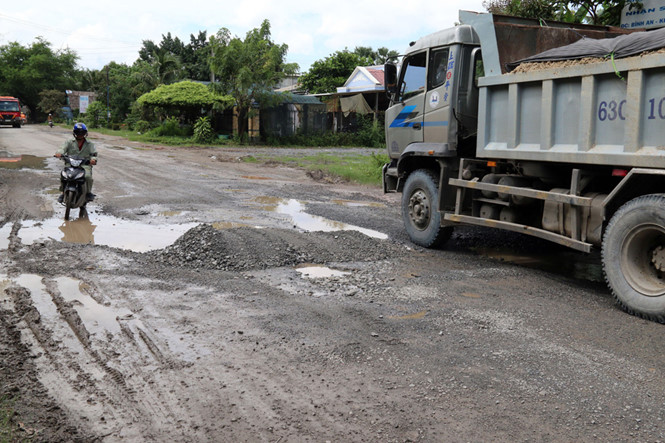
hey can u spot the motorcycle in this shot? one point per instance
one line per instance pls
(74, 186)
(50, 123)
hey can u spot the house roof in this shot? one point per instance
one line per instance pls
(364, 79)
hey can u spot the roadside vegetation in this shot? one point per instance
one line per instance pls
(351, 166)
(8, 431)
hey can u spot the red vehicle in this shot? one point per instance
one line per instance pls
(10, 111)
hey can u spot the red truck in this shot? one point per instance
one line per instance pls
(10, 111)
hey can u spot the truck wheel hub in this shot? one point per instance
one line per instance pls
(658, 258)
(419, 209)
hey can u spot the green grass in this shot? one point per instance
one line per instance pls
(7, 430)
(358, 168)
(161, 140)
(353, 167)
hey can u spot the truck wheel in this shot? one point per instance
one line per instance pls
(633, 256)
(420, 210)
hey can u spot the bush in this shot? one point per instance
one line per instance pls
(95, 115)
(142, 126)
(368, 133)
(171, 128)
(203, 132)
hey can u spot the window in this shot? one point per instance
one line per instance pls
(438, 63)
(414, 78)
(9, 106)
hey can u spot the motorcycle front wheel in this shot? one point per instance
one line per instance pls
(68, 200)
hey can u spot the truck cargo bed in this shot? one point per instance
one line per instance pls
(604, 113)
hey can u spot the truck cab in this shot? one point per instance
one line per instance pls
(434, 101)
(10, 111)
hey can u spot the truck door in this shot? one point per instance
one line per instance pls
(439, 89)
(406, 116)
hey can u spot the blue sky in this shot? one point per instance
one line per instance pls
(105, 31)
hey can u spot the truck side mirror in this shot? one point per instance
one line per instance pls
(390, 73)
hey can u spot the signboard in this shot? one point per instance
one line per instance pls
(83, 104)
(651, 15)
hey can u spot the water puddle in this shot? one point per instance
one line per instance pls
(169, 213)
(96, 317)
(357, 204)
(416, 316)
(319, 271)
(4, 236)
(104, 230)
(12, 161)
(308, 222)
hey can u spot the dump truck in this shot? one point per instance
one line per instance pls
(570, 152)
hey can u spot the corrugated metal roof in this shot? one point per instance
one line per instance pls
(378, 74)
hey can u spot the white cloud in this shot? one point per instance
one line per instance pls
(108, 31)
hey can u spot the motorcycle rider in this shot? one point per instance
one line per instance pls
(82, 148)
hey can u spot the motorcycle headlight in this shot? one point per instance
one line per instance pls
(79, 175)
(63, 174)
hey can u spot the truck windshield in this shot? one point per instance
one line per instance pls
(414, 79)
(8, 106)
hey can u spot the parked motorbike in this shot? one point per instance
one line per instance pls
(74, 186)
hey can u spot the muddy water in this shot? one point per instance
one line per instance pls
(308, 222)
(11, 161)
(4, 236)
(319, 271)
(96, 317)
(99, 229)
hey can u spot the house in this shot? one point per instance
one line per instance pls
(79, 99)
(362, 93)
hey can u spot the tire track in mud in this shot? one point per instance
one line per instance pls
(81, 370)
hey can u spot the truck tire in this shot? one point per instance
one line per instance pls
(633, 255)
(420, 210)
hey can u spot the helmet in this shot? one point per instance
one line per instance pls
(80, 129)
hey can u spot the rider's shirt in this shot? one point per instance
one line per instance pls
(86, 150)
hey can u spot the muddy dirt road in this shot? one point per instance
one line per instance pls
(207, 299)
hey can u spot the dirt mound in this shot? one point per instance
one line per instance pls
(247, 248)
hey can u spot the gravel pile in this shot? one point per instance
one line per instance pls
(248, 248)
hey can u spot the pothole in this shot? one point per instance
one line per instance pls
(307, 222)
(11, 161)
(101, 229)
(319, 271)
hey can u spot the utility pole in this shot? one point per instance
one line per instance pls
(108, 100)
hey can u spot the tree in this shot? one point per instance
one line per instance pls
(195, 57)
(192, 58)
(595, 12)
(95, 114)
(333, 71)
(185, 98)
(51, 100)
(27, 71)
(378, 57)
(248, 69)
